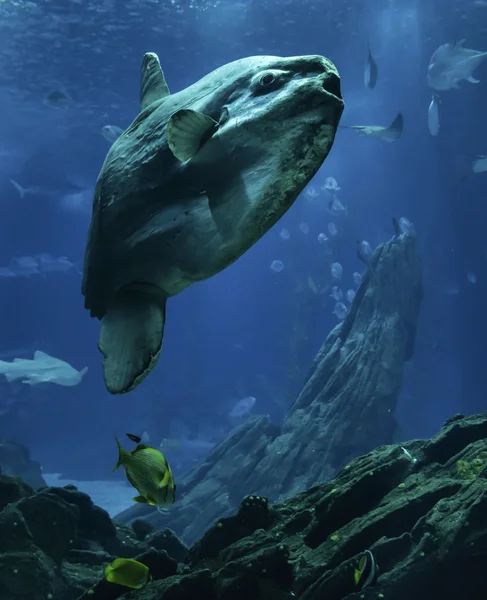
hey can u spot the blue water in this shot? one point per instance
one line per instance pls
(248, 331)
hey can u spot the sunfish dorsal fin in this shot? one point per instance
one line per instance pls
(153, 84)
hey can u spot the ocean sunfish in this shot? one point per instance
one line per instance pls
(197, 179)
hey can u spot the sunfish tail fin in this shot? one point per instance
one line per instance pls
(131, 337)
(22, 191)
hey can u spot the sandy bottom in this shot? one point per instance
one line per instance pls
(113, 496)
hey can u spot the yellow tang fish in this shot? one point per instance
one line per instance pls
(128, 572)
(148, 471)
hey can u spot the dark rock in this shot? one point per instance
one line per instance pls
(27, 576)
(420, 509)
(14, 534)
(125, 544)
(161, 565)
(13, 489)
(87, 557)
(253, 515)
(167, 540)
(345, 409)
(192, 586)
(15, 461)
(142, 529)
(103, 590)
(52, 523)
(94, 522)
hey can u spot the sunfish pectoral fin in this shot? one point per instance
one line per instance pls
(153, 84)
(187, 131)
(131, 337)
(472, 79)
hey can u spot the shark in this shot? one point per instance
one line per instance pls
(452, 63)
(43, 368)
(193, 183)
(58, 189)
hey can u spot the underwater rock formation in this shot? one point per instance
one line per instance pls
(15, 461)
(345, 408)
(419, 510)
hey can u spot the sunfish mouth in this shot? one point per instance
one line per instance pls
(331, 84)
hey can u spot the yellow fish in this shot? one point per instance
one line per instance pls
(128, 572)
(367, 571)
(148, 471)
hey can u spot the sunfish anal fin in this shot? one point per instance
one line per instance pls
(187, 131)
(131, 337)
(153, 85)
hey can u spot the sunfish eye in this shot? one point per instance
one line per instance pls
(267, 79)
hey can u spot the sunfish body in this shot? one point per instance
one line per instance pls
(193, 183)
(451, 64)
(388, 134)
(42, 369)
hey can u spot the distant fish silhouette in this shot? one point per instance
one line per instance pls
(59, 189)
(42, 369)
(371, 71)
(451, 64)
(388, 134)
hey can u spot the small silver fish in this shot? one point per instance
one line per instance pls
(335, 207)
(340, 311)
(243, 407)
(111, 132)
(370, 72)
(58, 98)
(364, 254)
(480, 164)
(433, 115)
